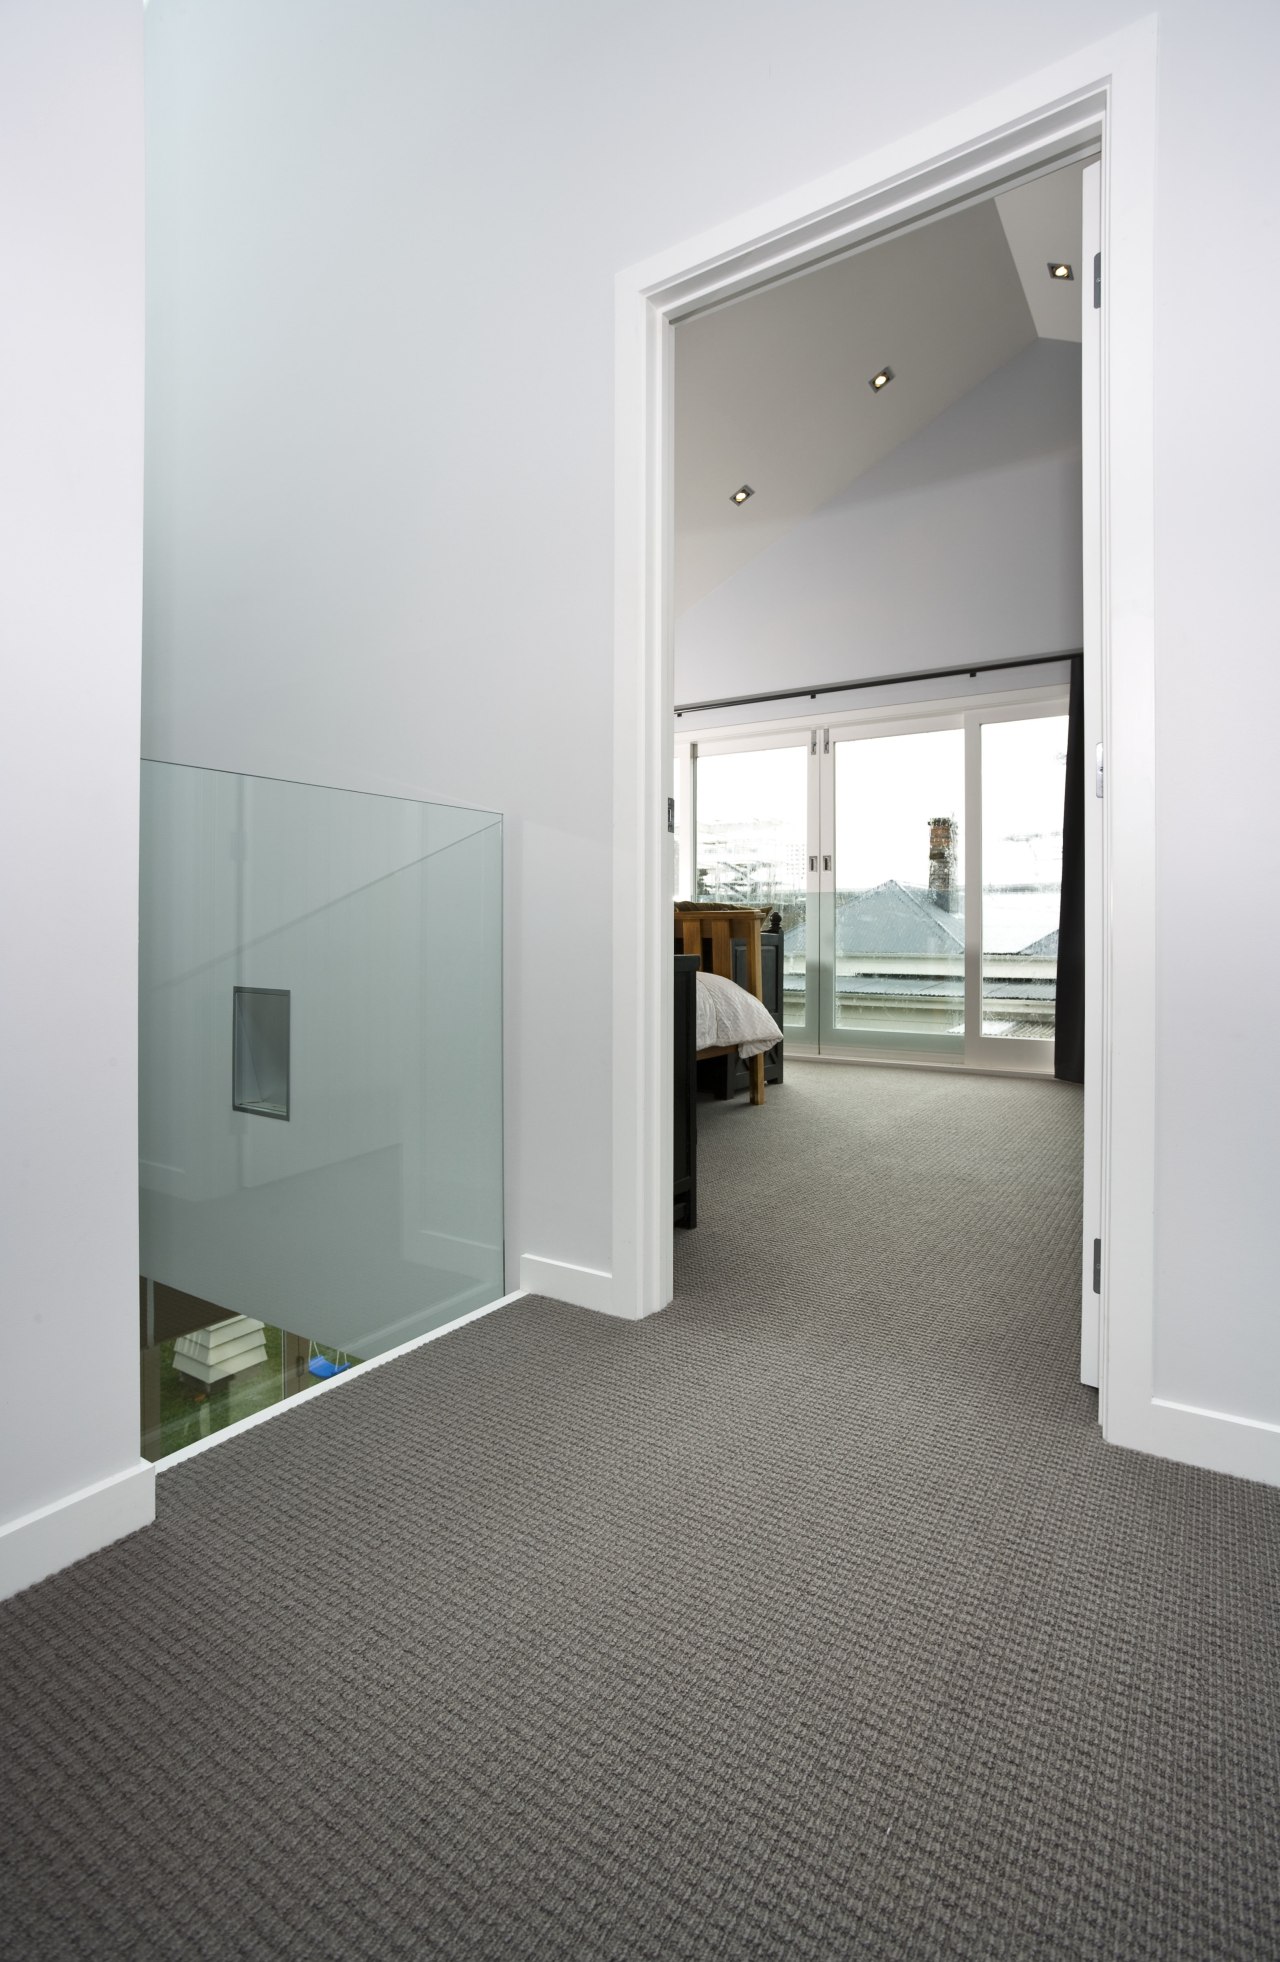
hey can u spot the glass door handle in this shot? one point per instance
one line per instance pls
(813, 864)
(826, 861)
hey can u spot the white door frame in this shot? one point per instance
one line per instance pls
(1091, 639)
(1102, 97)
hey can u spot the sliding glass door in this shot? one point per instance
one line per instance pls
(752, 822)
(892, 910)
(1022, 768)
(917, 867)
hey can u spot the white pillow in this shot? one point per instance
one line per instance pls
(730, 1017)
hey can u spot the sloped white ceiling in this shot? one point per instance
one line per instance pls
(773, 391)
(1041, 222)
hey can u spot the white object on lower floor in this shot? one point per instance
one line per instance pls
(226, 1349)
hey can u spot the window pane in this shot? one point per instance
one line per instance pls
(1024, 768)
(899, 868)
(752, 810)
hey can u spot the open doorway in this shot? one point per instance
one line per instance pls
(1046, 121)
(879, 661)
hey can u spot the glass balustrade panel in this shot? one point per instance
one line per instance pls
(320, 1097)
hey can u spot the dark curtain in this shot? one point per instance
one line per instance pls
(1068, 1042)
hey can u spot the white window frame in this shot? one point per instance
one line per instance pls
(924, 718)
(1025, 1055)
(790, 734)
(1002, 1055)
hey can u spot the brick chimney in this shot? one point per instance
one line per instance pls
(943, 833)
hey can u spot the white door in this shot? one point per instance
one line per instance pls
(1090, 460)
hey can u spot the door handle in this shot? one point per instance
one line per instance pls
(813, 864)
(826, 861)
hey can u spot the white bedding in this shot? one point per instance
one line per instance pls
(729, 1016)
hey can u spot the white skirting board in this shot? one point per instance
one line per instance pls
(53, 1536)
(581, 1287)
(1242, 1447)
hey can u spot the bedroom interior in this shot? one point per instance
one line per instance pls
(880, 718)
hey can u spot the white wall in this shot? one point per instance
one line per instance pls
(1218, 712)
(71, 346)
(380, 504)
(964, 544)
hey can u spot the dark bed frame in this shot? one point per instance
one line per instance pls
(686, 1061)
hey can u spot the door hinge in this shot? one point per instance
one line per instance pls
(826, 742)
(1097, 279)
(1098, 777)
(1097, 1267)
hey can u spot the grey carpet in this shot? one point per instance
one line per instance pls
(811, 1618)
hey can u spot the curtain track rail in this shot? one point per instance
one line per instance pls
(970, 668)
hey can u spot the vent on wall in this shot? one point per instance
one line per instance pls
(260, 1051)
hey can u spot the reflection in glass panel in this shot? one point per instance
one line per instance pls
(898, 926)
(752, 814)
(331, 960)
(1023, 788)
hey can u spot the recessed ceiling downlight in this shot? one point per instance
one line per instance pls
(1059, 269)
(880, 380)
(743, 492)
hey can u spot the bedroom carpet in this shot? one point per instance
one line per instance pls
(811, 1618)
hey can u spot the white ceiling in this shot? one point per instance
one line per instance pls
(773, 391)
(1041, 222)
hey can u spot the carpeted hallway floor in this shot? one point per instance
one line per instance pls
(809, 1619)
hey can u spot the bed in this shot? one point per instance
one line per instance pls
(731, 1018)
(726, 1028)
